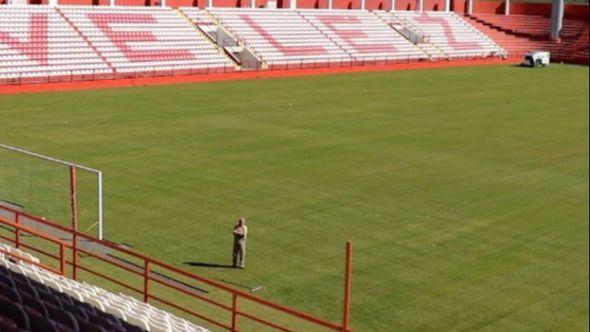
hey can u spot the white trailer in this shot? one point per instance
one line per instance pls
(536, 59)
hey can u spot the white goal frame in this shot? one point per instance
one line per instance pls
(72, 167)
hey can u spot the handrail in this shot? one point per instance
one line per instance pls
(20, 228)
(177, 71)
(28, 261)
(150, 263)
(270, 65)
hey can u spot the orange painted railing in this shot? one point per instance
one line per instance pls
(25, 78)
(18, 229)
(146, 272)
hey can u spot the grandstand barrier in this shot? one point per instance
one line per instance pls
(272, 66)
(22, 78)
(111, 58)
(153, 273)
(18, 229)
(556, 56)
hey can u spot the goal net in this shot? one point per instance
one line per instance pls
(41, 185)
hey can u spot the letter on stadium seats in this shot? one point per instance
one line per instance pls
(123, 38)
(353, 36)
(448, 31)
(286, 50)
(36, 47)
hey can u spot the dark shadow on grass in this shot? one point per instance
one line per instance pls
(213, 265)
(520, 65)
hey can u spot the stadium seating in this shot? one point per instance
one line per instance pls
(362, 34)
(411, 33)
(527, 32)
(280, 36)
(202, 20)
(35, 41)
(144, 39)
(451, 34)
(198, 16)
(581, 48)
(522, 25)
(77, 42)
(34, 299)
(208, 25)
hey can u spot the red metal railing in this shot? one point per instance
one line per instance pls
(146, 271)
(17, 232)
(96, 75)
(24, 78)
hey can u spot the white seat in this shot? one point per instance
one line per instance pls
(125, 307)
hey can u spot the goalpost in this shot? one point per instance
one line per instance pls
(17, 174)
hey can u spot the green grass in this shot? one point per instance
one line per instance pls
(465, 190)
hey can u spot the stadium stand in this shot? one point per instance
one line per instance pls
(225, 41)
(280, 36)
(140, 39)
(528, 32)
(201, 19)
(34, 299)
(36, 42)
(412, 33)
(531, 26)
(581, 48)
(53, 43)
(449, 33)
(362, 35)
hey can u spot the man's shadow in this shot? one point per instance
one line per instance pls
(213, 265)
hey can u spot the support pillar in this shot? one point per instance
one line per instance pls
(73, 198)
(420, 5)
(362, 4)
(470, 7)
(557, 11)
(392, 6)
(74, 209)
(330, 4)
(292, 4)
(506, 7)
(447, 5)
(347, 287)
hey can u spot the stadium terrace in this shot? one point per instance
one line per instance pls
(367, 194)
(65, 42)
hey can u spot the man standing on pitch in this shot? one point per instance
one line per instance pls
(240, 235)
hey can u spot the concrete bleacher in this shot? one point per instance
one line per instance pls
(35, 41)
(78, 42)
(522, 25)
(362, 34)
(451, 34)
(581, 48)
(139, 39)
(198, 16)
(280, 36)
(37, 300)
(519, 34)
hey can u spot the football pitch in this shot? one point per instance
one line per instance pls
(464, 190)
